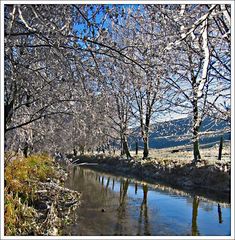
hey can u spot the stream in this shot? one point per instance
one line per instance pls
(112, 205)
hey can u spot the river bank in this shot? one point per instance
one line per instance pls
(209, 179)
(113, 205)
(36, 201)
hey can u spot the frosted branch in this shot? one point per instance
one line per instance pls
(223, 8)
(206, 60)
(24, 21)
(194, 26)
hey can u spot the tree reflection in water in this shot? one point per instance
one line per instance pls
(220, 214)
(143, 217)
(131, 210)
(136, 188)
(121, 211)
(195, 231)
(107, 184)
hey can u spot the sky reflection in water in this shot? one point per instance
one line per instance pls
(117, 206)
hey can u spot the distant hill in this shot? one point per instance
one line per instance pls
(177, 133)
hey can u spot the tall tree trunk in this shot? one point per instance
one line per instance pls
(146, 147)
(136, 147)
(122, 146)
(220, 148)
(26, 149)
(196, 151)
(126, 148)
(75, 152)
(145, 134)
(196, 125)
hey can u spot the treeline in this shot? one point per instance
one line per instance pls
(78, 77)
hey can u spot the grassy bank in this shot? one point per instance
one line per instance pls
(35, 201)
(210, 178)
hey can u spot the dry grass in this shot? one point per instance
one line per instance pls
(19, 191)
(28, 182)
(185, 156)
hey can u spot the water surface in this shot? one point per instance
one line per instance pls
(112, 205)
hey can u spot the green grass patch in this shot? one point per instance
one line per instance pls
(21, 177)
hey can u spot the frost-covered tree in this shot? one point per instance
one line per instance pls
(81, 76)
(196, 63)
